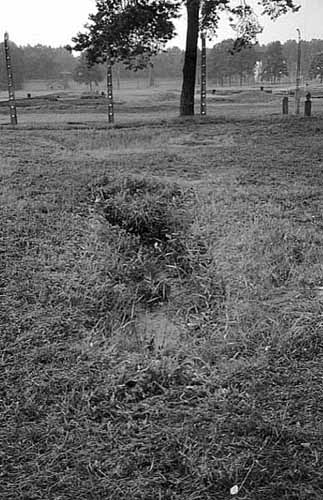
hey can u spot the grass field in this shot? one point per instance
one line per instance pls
(133, 104)
(161, 306)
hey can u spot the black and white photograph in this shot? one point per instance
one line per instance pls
(161, 250)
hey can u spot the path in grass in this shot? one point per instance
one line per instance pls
(161, 312)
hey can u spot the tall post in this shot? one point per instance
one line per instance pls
(285, 105)
(308, 104)
(110, 90)
(298, 74)
(151, 75)
(203, 74)
(11, 88)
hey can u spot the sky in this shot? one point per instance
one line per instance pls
(55, 22)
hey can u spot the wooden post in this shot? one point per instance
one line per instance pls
(203, 75)
(110, 90)
(308, 104)
(11, 88)
(285, 105)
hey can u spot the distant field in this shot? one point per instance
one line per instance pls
(135, 101)
(161, 301)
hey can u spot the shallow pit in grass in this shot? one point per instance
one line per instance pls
(147, 231)
(154, 211)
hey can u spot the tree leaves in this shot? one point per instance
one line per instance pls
(275, 65)
(128, 32)
(275, 8)
(133, 31)
(83, 73)
(316, 68)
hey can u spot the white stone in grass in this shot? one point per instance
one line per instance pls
(234, 490)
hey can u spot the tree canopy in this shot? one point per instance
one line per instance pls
(84, 73)
(225, 64)
(130, 32)
(46, 63)
(275, 66)
(123, 30)
(316, 67)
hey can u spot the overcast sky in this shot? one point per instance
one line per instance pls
(54, 22)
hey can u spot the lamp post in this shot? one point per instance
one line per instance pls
(298, 74)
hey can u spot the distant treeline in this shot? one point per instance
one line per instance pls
(272, 62)
(36, 62)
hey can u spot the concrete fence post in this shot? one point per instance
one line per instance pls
(308, 104)
(285, 105)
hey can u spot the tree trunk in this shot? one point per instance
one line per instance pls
(117, 73)
(151, 81)
(189, 69)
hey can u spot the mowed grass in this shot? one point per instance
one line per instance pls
(161, 311)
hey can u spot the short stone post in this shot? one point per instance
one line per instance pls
(285, 105)
(308, 104)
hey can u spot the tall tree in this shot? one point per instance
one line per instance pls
(169, 63)
(290, 49)
(309, 50)
(87, 74)
(316, 68)
(65, 61)
(40, 62)
(220, 67)
(46, 63)
(204, 15)
(224, 63)
(125, 29)
(244, 62)
(274, 64)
